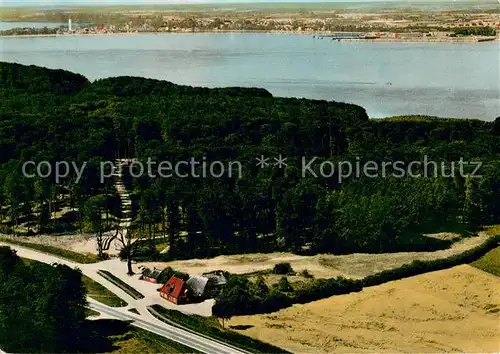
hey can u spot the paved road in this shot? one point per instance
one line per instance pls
(189, 339)
(145, 320)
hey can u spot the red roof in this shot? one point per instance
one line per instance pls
(174, 287)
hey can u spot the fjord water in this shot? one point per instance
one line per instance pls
(443, 79)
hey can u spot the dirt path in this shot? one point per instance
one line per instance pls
(85, 243)
(113, 245)
(453, 310)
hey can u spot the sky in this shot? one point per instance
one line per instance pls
(18, 3)
(139, 2)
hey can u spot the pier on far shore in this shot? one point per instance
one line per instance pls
(337, 36)
(448, 37)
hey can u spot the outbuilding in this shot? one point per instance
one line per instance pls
(197, 285)
(216, 278)
(150, 275)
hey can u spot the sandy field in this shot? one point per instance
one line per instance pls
(357, 265)
(453, 310)
(80, 243)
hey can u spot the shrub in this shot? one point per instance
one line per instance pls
(103, 257)
(168, 272)
(4, 229)
(276, 300)
(284, 285)
(305, 273)
(496, 126)
(260, 287)
(283, 269)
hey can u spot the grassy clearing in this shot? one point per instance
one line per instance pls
(210, 327)
(99, 293)
(490, 262)
(354, 266)
(492, 230)
(66, 254)
(122, 285)
(272, 277)
(161, 246)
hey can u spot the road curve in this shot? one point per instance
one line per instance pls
(145, 320)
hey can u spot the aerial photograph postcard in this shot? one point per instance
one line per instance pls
(249, 176)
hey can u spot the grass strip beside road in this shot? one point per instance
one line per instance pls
(91, 313)
(147, 342)
(121, 284)
(210, 327)
(99, 293)
(59, 252)
(115, 336)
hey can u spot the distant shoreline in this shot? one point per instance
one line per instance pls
(456, 40)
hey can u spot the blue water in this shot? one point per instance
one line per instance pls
(449, 80)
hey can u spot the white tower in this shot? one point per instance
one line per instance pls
(69, 25)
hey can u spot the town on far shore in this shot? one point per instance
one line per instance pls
(393, 25)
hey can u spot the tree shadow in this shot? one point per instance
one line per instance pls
(99, 335)
(241, 327)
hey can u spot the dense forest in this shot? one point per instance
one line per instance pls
(42, 307)
(476, 31)
(54, 115)
(28, 31)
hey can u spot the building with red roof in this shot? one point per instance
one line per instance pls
(174, 290)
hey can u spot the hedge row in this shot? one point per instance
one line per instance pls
(420, 267)
(248, 302)
(209, 327)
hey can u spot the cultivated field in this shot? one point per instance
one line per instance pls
(453, 310)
